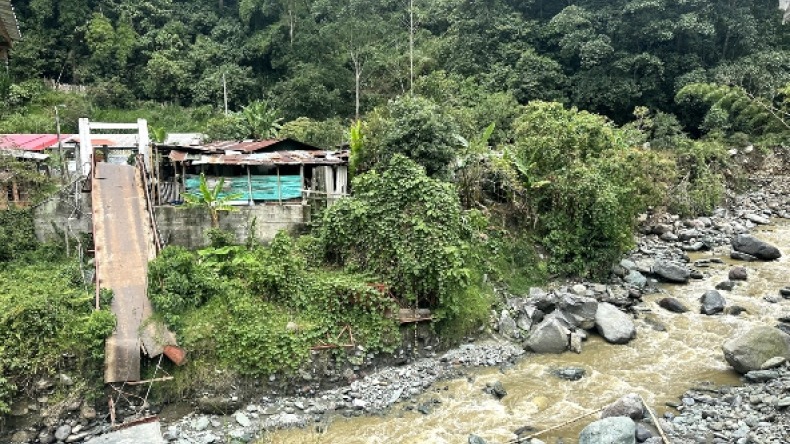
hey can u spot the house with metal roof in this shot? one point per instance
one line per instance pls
(261, 172)
(281, 184)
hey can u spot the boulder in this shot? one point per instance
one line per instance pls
(496, 389)
(672, 272)
(759, 220)
(751, 245)
(737, 255)
(660, 229)
(545, 302)
(672, 305)
(569, 373)
(636, 279)
(748, 351)
(629, 406)
(63, 432)
(614, 325)
(712, 302)
(474, 439)
(738, 274)
(726, 285)
(550, 336)
(507, 326)
(615, 430)
(579, 310)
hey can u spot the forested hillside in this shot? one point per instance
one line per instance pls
(319, 58)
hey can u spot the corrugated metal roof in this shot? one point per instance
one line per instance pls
(109, 140)
(184, 139)
(245, 146)
(8, 24)
(31, 142)
(296, 157)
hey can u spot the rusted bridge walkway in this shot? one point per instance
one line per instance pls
(124, 243)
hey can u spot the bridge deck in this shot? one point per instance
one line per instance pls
(124, 245)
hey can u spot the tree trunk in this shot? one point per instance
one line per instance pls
(357, 81)
(291, 24)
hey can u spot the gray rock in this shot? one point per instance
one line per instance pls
(776, 361)
(748, 351)
(726, 285)
(46, 437)
(201, 423)
(615, 430)
(242, 419)
(629, 406)
(738, 274)
(614, 325)
(580, 310)
(63, 432)
(642, 433)
(672, 272)
(712, 302)
(636, 279)
(20, 437)
(759, 220)
(669, 237)
(737, 255)
(550, 336)
(474, 439)
(751, 245)
(569, 373)
(660, 229)
(209, 438)
(672, 305)
(761, 375)
(507, 326)
(497, 389)
(579, 289)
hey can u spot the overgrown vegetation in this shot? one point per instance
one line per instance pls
(48, 323)
(260, 310)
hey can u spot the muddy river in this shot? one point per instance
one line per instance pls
(659, 365)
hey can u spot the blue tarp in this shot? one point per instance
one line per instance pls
(263, 187)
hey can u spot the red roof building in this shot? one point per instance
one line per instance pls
(30, 142)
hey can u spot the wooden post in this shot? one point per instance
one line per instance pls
(301, 183)
(15, 192)
(279, 186)
(249, 185)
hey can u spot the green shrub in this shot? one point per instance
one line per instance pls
(44, 316)
(703, 167)
(177, 282)
(405, 229)
(586, 185)
(17, 235)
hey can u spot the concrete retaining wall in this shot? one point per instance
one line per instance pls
(188, 227)
(67, 211)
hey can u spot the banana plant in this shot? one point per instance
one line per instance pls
(212, 199)
(261, 119)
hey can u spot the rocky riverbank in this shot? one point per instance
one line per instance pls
(755, 413)
(373, 394)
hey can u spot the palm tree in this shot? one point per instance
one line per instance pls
(212, 199)
(261, 120)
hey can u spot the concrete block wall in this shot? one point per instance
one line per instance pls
(68, 211)
(188, 227)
